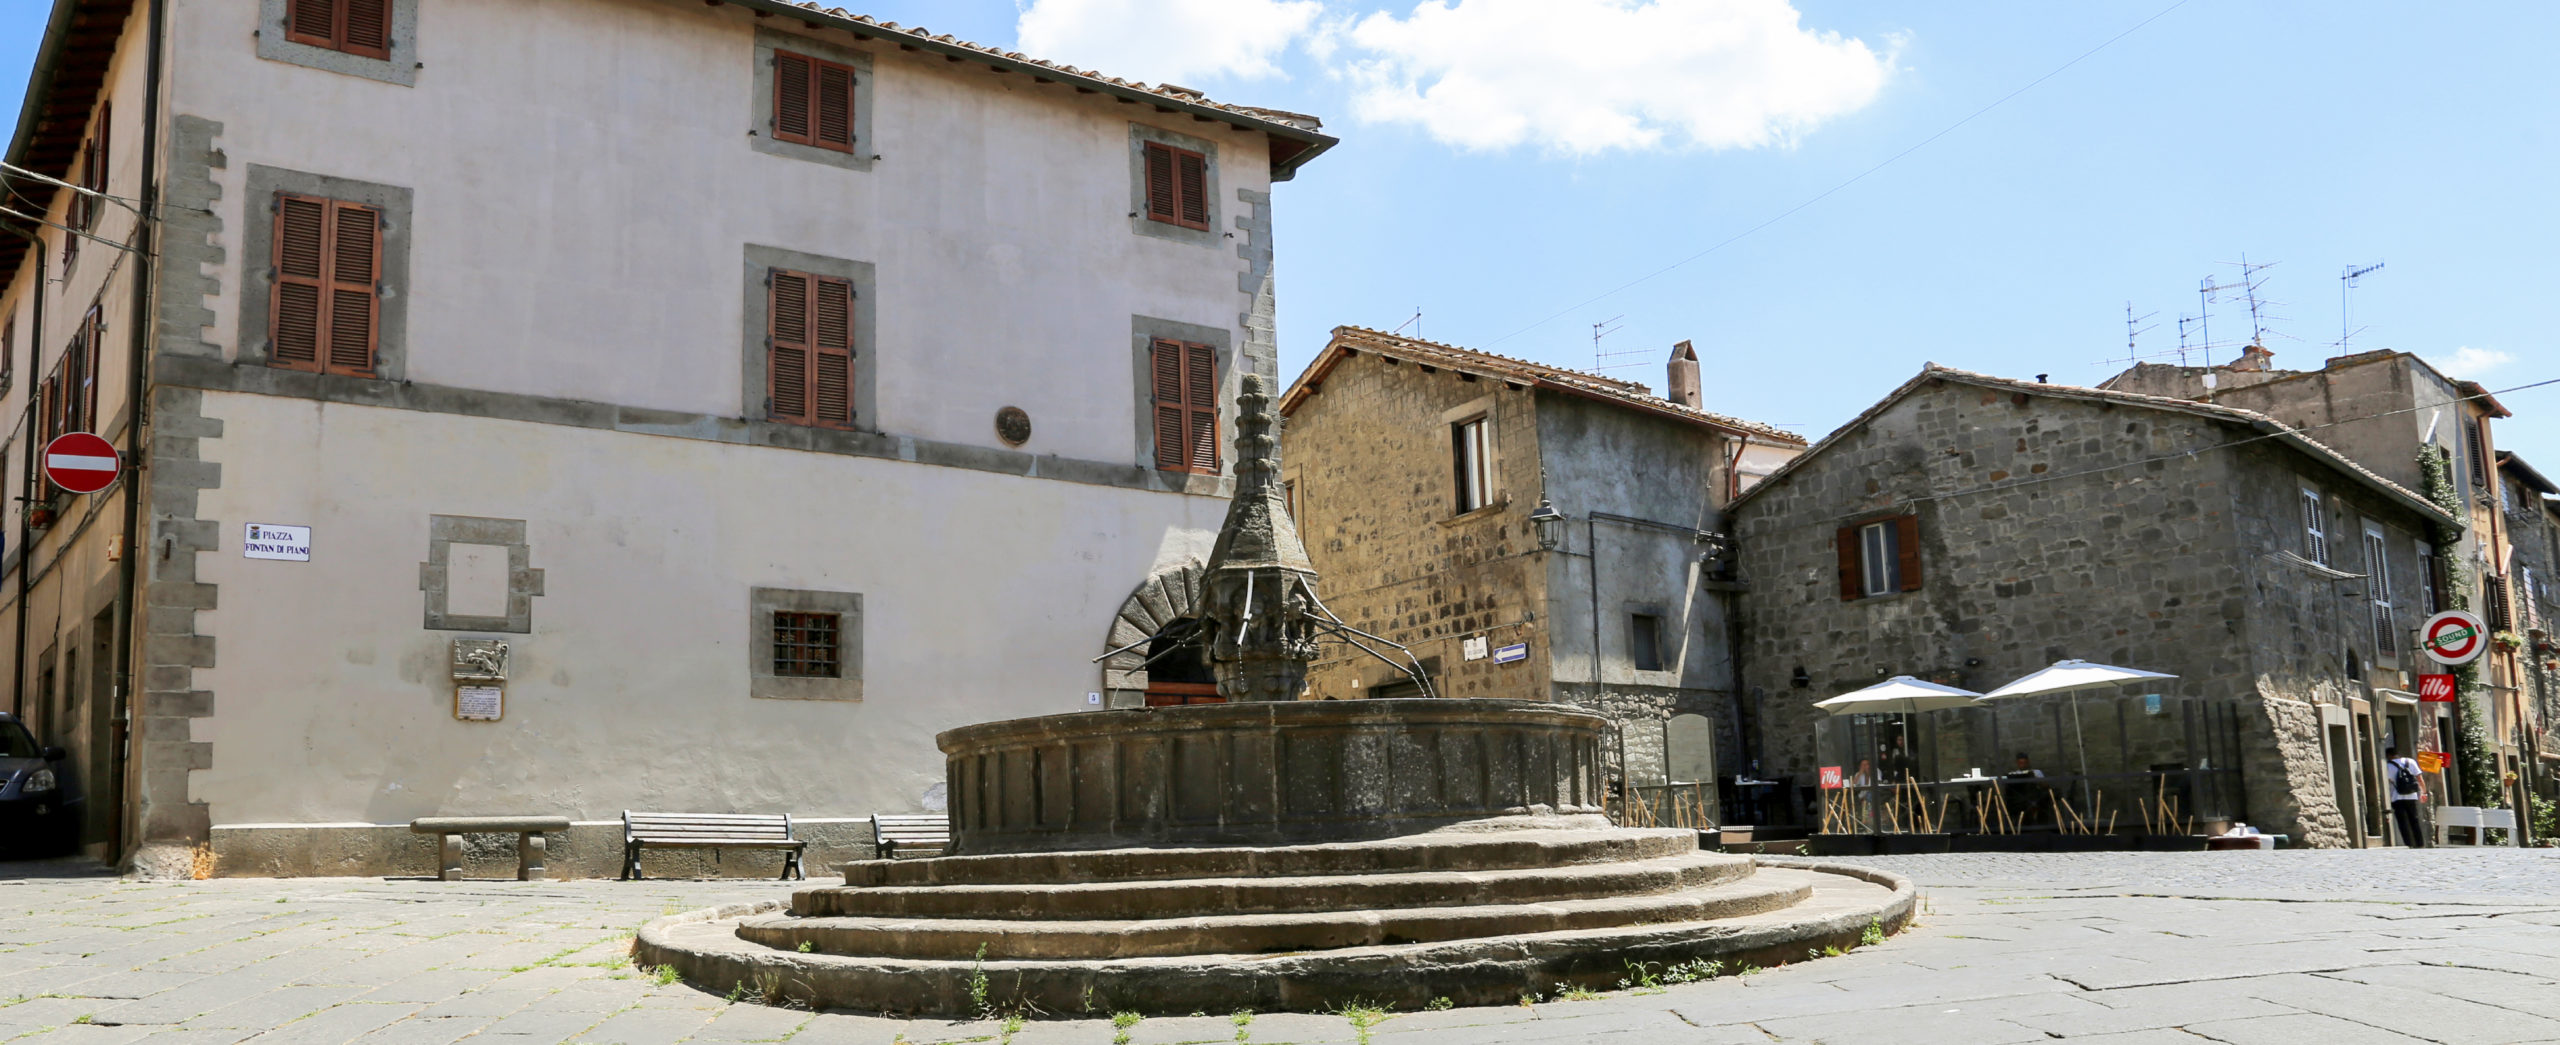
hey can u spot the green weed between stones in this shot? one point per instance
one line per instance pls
(1577, 992)
(1242, 1018)
(1362, 1016)
(1640, 979)
(1012, 1026)
(1120, 1024)
(978, 984)
(1874, 934)
(664, 975)
(805, 946)
(1693, 970)
(1441, 1004)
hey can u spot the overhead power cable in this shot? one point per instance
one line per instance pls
(1854, 179)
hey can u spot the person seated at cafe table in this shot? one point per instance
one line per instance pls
(1866, 774)
(2026, 797)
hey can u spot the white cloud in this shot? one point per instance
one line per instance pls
(2468, 361)
(1587, 76)
(1182, 41)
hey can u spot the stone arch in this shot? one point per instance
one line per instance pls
(1166, 596)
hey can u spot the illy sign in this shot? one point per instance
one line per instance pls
(2435, 689)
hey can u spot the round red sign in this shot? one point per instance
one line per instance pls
(2453, 637)
(80, 462)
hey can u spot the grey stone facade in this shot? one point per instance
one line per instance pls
(2060, 523)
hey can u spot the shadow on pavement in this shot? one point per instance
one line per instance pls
(53, 867)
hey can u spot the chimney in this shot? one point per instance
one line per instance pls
(1684, 376)
(2254, 357)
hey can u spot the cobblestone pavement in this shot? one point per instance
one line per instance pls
(2337, 948)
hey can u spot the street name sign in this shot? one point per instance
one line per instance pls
(80, 462)
(2453, 637)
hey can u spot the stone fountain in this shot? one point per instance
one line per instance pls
(1270, 852)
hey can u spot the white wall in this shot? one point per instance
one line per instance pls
(585, 187)
(584, 190)
(984, 597)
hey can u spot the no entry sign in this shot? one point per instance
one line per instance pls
(80, 462)
(2453, 637)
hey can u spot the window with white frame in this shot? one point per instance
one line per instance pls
(1471, 464)
(2377, 569)
(1878, 558)
(2315, 530)
(2430, 580)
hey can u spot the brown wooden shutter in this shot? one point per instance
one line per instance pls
(1191, 172)
(1200, 374)
(52, 417)
(313, 22)
(789, 345)
(832, 352)
(791, 102)
(302, 225)
(1906, 551)
(91, 334)
(1163, 198)
(833, 126)
(1852, 584)
(355, 262)
(1164, 370)
(367, 28)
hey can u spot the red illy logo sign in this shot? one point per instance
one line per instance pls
(2435, 689)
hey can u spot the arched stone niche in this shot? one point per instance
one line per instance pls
(1167, 596)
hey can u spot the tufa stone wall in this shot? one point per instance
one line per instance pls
(1368, 462)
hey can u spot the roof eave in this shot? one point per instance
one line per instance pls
(1315, 142)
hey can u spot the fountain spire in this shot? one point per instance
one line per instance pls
(1258, 593)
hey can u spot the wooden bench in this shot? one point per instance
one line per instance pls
(532, 849)
(894, 832)
(714, 831)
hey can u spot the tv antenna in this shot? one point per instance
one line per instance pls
(1415, 323)
(2249, 283)
(2133, 329)
(1602, 359)
(2207, 292)
(2347, 281)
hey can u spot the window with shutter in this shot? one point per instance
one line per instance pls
(2377, 571)
(2315, 536)
(1177, 186)
(326, 311)
(1473, 467)
(1879, 558)
(2430, 580)
(1183, 393)
(810, 349)
(812, 102)
(2473, 442)
(357, 27)
(8, 351)
(87, 351)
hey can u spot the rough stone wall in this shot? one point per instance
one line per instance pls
(1368, 460)
(2050, 528)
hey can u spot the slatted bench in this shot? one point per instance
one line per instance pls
(709, 831)
(892, 833)
(532, 848)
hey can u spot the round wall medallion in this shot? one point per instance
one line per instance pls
(1013, 426)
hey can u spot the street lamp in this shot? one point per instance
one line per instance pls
(1549, 523)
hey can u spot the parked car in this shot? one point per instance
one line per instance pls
(39, 808)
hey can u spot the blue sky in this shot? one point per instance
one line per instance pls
(2309, 135)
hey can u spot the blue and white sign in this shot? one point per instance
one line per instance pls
(1511, 654)
(270, 541)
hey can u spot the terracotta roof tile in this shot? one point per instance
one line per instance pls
(1489, 364)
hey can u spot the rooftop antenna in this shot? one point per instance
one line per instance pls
(2346, 282)
(2206, 289)
(1604, 360)
(1415, 323)
(2250, 281)
(2133, 329)
(2183, 323)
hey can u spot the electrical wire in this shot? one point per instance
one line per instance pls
(131, 205)
(1854, 179)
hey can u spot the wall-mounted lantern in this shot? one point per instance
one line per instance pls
(1549, 524)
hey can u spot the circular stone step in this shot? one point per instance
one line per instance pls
(953, 938)
(1444, 850)
(1842, 902)
(1176, 898)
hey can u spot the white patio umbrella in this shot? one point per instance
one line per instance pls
(1900, 694)
(2072, 676)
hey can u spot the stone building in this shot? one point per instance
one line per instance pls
(2386, 411)
(780, 386)
(1413, 470)
(2530, 502)
(1972, 529)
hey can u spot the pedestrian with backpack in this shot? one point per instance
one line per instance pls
(2408, 788)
